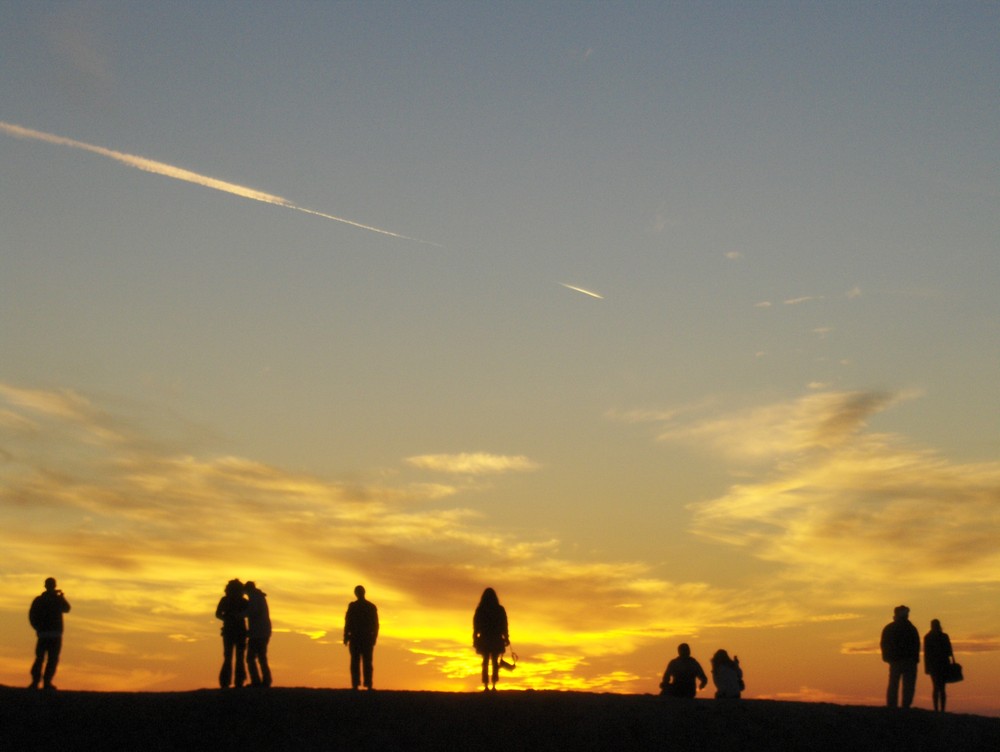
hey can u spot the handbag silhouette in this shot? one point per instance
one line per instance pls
(954, 673)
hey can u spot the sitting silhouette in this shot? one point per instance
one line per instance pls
(682, 671)
(232, 610)
(727, 675)
(489, 635)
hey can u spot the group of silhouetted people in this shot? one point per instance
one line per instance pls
(900, 646)
(685, 676)
(246, 631)
(490, 637)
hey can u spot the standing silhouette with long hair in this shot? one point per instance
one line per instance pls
(489, 635)
(727, 675)
(232, 610)
(938, 658)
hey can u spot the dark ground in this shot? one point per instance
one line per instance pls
(324, 719)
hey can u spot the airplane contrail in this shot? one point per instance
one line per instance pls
(580, 289)
(179, 173)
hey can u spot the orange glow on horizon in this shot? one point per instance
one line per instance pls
(143, 541)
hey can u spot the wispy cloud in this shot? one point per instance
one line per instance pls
(143, 538)
(473, 463)
(837, 503)
(179, 173)
(785, 429)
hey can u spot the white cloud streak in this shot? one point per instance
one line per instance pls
(585, 292)
(179, 173)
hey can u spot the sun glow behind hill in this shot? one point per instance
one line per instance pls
(145, 539)
(703, 349)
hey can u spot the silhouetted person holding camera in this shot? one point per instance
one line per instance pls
(46, 617)
(681, 674)
(938, 658)
(258, 635)
(232, 610)
(900, 645)
(360, 635)
(727, 675)
(489, 634)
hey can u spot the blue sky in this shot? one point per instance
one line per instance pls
(788, 210)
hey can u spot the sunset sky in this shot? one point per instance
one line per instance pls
(669, 321)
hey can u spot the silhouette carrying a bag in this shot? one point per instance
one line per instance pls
(512, 663)
(954, 673)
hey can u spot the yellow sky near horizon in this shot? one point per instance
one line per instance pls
(675, 324)
(143, 538)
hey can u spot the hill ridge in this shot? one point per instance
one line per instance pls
(303, 719)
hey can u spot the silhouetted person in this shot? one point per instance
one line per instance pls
(727, 675)
(489, 634)
(938, 658)
(46, 617)
(232, 610)
(900, 645)
(682, 671)
(360, 635)
(258, 635)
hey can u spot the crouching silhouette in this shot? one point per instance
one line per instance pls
(682, 673)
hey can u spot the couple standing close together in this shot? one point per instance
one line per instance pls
(246, 630)
(900, 645)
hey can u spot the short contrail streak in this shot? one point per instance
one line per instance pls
(580, 289)
(178, 173)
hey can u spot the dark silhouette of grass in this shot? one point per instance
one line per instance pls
(323, 719)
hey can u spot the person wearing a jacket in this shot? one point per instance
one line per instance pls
(490, 635)
(682, 673)
(900, 646)
(938, 657)
(727, 675)
(46, 617)
(258, 635)
(232, 610)
(360, 635)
